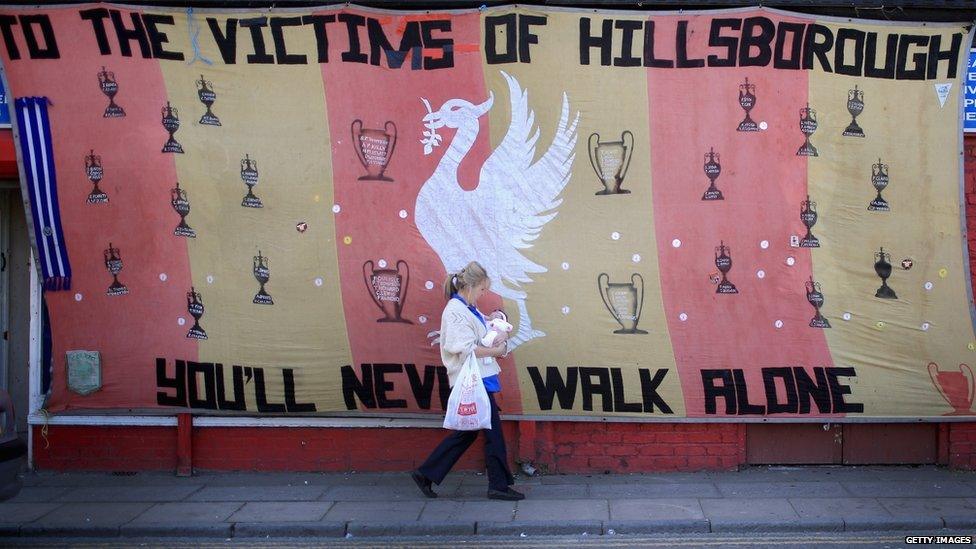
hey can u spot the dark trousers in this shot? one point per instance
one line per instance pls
(451, 448)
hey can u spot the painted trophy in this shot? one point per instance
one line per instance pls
(181, 204)
(262, 273)
(723, 261)
(388, 289)
(957, 388)
(624, 300)
(374, 149)
(194, 306)
(747, 100)
(882, 266)
(110, 87)
(94, 171)
(855, 106)
(113, 262)
(808, 125)
(610, 161)
(207, 96)
(879, 180)
(171, 123)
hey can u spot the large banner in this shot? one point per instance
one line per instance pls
(725, 214)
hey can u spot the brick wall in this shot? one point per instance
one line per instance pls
(69, 447)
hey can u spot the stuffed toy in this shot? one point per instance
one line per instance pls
(497, 326)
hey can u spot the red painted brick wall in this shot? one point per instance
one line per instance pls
(83, 448)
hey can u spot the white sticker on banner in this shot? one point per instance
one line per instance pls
(942, 90)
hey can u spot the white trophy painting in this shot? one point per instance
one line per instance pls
(515, 198)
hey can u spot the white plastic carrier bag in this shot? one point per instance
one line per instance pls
(468, 408)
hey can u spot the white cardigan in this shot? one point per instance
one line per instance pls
(461, 332)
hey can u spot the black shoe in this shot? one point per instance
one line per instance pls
(423, 483)
(507, 495)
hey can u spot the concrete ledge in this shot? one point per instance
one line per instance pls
(412, 528)
(796, 525)
(79, 530)
(289, 529)
(657, 526)
(960, 522)
(892, 523)
(544, 528)
(173, 530)
(9, 530)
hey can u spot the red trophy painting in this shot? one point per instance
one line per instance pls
(957, 388)
(374, 149)
(388, 288)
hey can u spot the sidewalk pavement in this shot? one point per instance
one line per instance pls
(289, 505)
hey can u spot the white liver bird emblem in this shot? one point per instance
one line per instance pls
(515, 198)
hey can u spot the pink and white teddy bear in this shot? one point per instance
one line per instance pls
(498, 327)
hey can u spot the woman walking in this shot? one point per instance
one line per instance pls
(462, 327)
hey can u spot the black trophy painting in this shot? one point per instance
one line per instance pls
(262, 273)
(855, 106)
(879, 180)
(723, 261)
(207, 96)
(610, 161)
(712, 170)
(816, 299)
(194, 306)
(171, 123)
(624, 300)
(249, 175)
(113, 262)
(808, 125)
(181, 204)
(110, 87)
(882, 266)
(93, 169)
(747, 100)
(388, 289)
(808, 215)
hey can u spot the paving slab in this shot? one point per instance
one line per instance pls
(281, 511)
(290, 530)
(272, 479)
(529, 510)
(655, 509)
(186, 513)
(86, 518)
(812, 508)
(38, 494)
(114, 494)
(541, 528)
(393, 511)
(109, 479)
(655, 490)
(795, 489)
(16, 513)
(531, 491)
(769, 510)
(177, 530)
(881, 524)
(463, 511)
(403, 492)
(258, 493)
(924, 507)
(908, 488)
(657, 526)
(409, 528)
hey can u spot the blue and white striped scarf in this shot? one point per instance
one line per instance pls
(42, 189)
